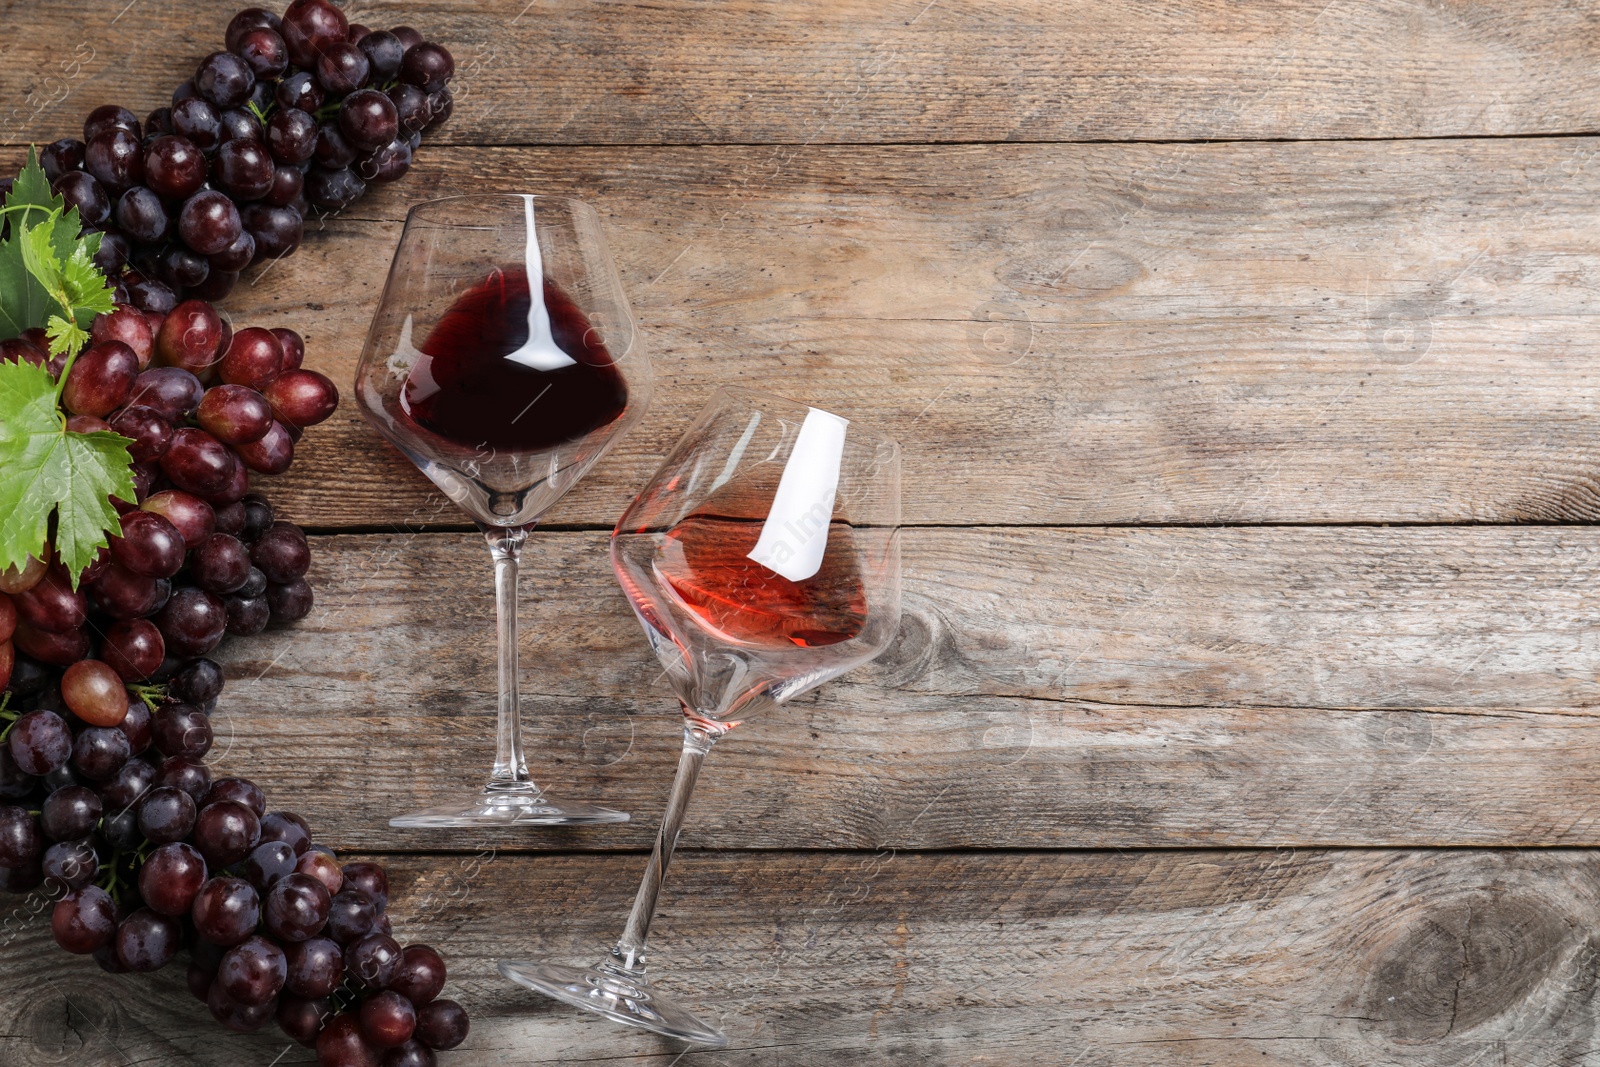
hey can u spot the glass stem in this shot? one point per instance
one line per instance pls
(698, 737)
(510, 767)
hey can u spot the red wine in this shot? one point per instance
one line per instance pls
(464, 389)
(704, 560)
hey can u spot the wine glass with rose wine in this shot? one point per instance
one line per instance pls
(503, 361)
(762, 559)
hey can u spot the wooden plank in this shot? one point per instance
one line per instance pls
(1148, 959)
(1121, 688)
(1232, 333)
(758, 71)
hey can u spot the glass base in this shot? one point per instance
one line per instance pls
(509, 808)
(617, 995)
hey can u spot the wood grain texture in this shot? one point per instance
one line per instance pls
(1063, 334)
(757, 71)
(1286, 959)
(1129, 688)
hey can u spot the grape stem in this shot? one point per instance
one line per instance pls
(152, 695)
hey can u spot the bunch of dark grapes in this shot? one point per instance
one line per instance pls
(300, 114)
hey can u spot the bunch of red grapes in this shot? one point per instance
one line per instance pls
(300, 114)
(105, 799)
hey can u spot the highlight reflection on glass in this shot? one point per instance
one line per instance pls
(503, 362)
(762, 559)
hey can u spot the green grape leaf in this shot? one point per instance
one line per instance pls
(45, 470)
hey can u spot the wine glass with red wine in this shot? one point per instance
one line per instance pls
(503, 361)
(762, 559)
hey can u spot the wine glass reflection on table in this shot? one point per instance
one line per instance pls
(504, 401)
(762, 560)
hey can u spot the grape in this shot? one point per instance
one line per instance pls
(133, 648)
(411, 1054)
(122, 594)
(243, 168)
(441, 103)
(428, 66)
(384, 52)
(40, 743)
(252, 973)
(297, 907)
(350, 916)
(226, 832)
(16, 350)
(196, 121)
(158, 122)
(20, 879)
(224, 79)
(240, 791)
(191, 335)
(183, 730)
(209, 222)
(323, 867)
(343, 68)
(387, 164)
(109, 117)
(174, 167)
(70, 813)
(267, 864)
(371, 962)
(126, 324)
(236, 414)
(342, 1044)
(302, 397)
(61, 157)
(147, 940)
(192, 622)
(281, 552)
(14, 581)
(287, 185)
(20, 840)
(70, 864)
(264, 52)
(28, 677)
(236, 257)
(171, 878)
(240, 1018)
(230, 518)
(253, 358)
(8, 655)
(86, 424)
(287, 827)
(8, 618)
(166, 814)
(302, 1019)
(309, 27)
(80, 190)
(198, 463)
(420, 976)
(238, 125)
(290, 602)
(277, 230)
(171, 391)
(52, 605)
(99, 752)
(388, 1019)
(141, 215)
(58, 650)
(145, 427)
(226, 911)
(200, 682)
(300, 92)
(407, 36)
(294, 348)
(259, 517)
(116, 159)
(192, 517)
(273, 454)
(182, 268)
(316, 967)
(94, 693)
(356, 32)
(368, 119)
(442, 1025)
(129, 785)
(150, 295)
(220, 565)
(149, 545)
(251, 18)
(135, 726)
(84, 920)
(14, 783)
(333, 150)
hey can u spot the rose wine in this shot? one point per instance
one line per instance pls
(705, 563)
(469, 385)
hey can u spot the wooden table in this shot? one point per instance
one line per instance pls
(1244, 355)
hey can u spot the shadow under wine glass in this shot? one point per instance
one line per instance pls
(504, 393)
(762, 559)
